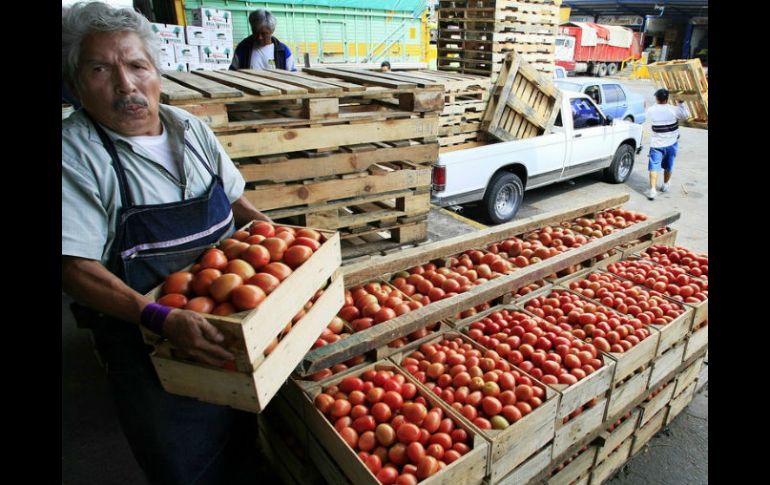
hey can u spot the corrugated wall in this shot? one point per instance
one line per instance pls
(330, 34)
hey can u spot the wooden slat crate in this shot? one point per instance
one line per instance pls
(526, 471)
(608, 441)
(659, 401)
(686, 81)
(288, 461)
(569, 433)
(697, 340)
(662, 336)
(667, 239)
(612, 463)
(516, 443)
(467, 470)
(578, 470)
(248, 334)
(666, 364)
(681, 401)
(524, 103)
(644, 433)
(688, 376)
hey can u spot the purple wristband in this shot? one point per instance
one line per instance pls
(153, 317)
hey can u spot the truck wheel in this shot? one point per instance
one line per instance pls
(503, 197)
(622, 165)
(602, 70)
(612, 68)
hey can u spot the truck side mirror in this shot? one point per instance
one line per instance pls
(607, 120)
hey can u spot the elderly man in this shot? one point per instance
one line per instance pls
(145, 187)
(261, 50)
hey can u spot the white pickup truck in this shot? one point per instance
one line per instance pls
(499, 173)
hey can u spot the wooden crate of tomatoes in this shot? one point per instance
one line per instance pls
(382, 426)
(512, 410)
(271, 290)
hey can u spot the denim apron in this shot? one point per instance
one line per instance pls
(175, 439)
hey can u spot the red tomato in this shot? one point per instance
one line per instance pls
(306, 241)
(262, 228)
(279, 270)
(200, 304)
(173, 300)
(256, 255)
(247, 297)
(408, 433)
(213, 258)
(222, 287)
(179, 282)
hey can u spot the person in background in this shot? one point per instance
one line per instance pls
(664, 141)
(261, 50)
(145, 189)
(385, 66)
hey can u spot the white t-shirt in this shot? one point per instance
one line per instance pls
(665, 123)
(160, 149)
(264, 58)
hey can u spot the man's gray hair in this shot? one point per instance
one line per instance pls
(83, 18)
(260, 18)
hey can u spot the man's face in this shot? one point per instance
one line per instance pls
(264, 35)
(118, 84)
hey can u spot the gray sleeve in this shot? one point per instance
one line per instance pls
(85, 222)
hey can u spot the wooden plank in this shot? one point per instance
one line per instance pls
(402, 76)
(664, 365)
(360, 273)
(297, 139)
(659, 401)
(358, 78)
(680, 402)
(696, 342)
(171, 91)
(622, 394)
(320, 108)
(688, 376)
(279, 196)
(348, 88)
(255, 76)
(612, 463)
(214, 115)
(646, 432)
(309, 83)
(525, 472)
(577, 469)
(248, 86)
(207, 87)
(609, 440)
(342, 350)
(337, 163)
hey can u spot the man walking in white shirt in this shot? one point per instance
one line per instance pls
(664, 142)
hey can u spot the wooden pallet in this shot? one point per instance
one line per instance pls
(524, 103)
(304, 165)
(686, 81)
(382, 179)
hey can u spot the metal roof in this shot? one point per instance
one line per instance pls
(681, 9)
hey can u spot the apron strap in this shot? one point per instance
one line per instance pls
(202, 160)
(126, 198)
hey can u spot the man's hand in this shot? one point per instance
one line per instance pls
(196, 337)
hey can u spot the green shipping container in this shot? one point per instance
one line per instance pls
(336, 30)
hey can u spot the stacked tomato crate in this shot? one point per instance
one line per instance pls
(568, 409)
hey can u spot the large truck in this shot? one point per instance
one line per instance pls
(595, 49)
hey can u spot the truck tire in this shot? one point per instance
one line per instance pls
(612, 68)
(503, 197)
(622, 165)
(602, 70)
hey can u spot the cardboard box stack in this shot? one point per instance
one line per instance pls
(205, 45)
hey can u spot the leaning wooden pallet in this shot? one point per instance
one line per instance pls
(523, 104)
(686, 81)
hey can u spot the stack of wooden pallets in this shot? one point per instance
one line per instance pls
(348, 150)
(686, 81)
(475, 35)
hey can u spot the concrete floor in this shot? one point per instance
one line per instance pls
(95, 451)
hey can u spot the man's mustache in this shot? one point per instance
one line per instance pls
(122, 103)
